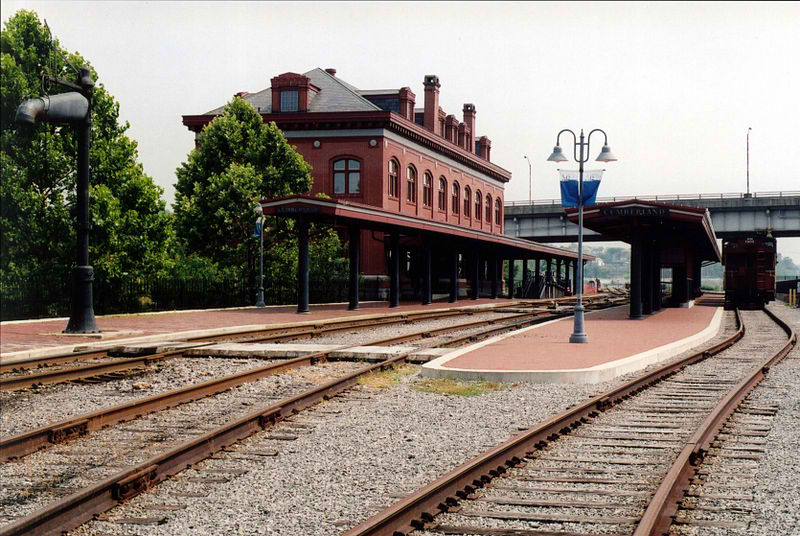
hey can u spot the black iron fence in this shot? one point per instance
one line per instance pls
(49, 298)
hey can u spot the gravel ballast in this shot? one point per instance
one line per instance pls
(763, 473)
(355, 458)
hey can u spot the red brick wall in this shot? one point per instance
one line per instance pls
(375, 189)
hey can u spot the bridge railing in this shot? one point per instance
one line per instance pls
(665, 197)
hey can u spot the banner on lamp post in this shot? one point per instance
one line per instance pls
(258, 229)
(569, 186)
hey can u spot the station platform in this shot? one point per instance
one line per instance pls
(617, 345)
(25, 339)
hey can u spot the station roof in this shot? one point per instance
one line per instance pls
(339, 212)
(621, 220)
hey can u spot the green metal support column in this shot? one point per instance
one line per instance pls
(302, 267)
(355, 260)
(394, 271)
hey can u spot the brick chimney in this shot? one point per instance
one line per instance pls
(463, 136)
(469, 119)
(407, 102)
(485, 148)
(451, 128)
(432, 86)
(331, 71)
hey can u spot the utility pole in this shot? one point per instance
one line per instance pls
(530, 199)
(748, 161)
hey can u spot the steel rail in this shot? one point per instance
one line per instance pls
(659, 514)
(78, 508)
(39, 362)
(284, 333)
(28, 442)
(418, 510)
(275, 334)
(278, 330)
(77, 373)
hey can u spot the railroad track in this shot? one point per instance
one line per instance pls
(73, 507)
(617, 464)
(120, 367)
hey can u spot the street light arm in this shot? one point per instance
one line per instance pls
(605, 137)
(574, 143)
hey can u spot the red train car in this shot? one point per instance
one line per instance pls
(749, 271)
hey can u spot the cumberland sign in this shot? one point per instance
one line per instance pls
(635, 211)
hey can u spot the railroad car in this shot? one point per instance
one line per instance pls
(749, 271)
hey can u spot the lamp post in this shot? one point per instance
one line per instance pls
(260, 297)
(75, 109)
(580, 155)
(530, 199)
(748, 161)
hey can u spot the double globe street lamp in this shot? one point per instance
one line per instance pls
(580, 155)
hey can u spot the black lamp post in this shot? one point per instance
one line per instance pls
(580, 156)
(75, 109)
(259, 210)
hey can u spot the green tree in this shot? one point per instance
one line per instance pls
(239, 160)
(131, 232)
(786, 267)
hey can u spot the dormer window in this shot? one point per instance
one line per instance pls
(289, 101)
(292, 92)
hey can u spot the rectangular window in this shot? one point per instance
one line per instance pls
(354, 185)
(338, 183)
(289, 101)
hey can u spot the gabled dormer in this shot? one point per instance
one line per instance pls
(292, 92)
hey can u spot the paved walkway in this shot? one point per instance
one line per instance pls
(616, 346)
(39, 335)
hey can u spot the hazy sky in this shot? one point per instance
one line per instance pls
(675, 85)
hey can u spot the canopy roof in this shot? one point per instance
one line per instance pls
(622, 220)
(346, 213)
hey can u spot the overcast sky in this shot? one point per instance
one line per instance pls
(675, 85)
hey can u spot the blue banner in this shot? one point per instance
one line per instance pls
(569, 187)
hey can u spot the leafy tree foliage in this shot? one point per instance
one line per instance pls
(786, 267)
(239, 161)
(131, 232)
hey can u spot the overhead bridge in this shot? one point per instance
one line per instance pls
(732, 215)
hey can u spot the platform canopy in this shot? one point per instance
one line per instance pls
(345, 214)
(661, 236)
(626, 220)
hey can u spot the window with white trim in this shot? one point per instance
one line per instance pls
(347, 176)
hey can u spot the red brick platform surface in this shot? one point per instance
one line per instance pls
(612, 336)
(33, 335)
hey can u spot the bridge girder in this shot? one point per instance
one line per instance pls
(731, 218)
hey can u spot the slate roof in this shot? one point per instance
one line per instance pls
(335, 95)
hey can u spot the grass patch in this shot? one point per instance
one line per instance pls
(448, 386)
(383, 379)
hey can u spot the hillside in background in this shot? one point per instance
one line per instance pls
(614, 264)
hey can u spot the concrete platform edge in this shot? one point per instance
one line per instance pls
(598, 373)
(37, 353)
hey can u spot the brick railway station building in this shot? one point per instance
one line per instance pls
(415, 184)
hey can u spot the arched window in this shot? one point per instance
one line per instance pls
(478, 210)
(442, 194)
(498, 210)
(394, 181)
(488, 209)
(346, 176)
(467, 201)
(456, 197)
(427, 190)
(411, 184)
